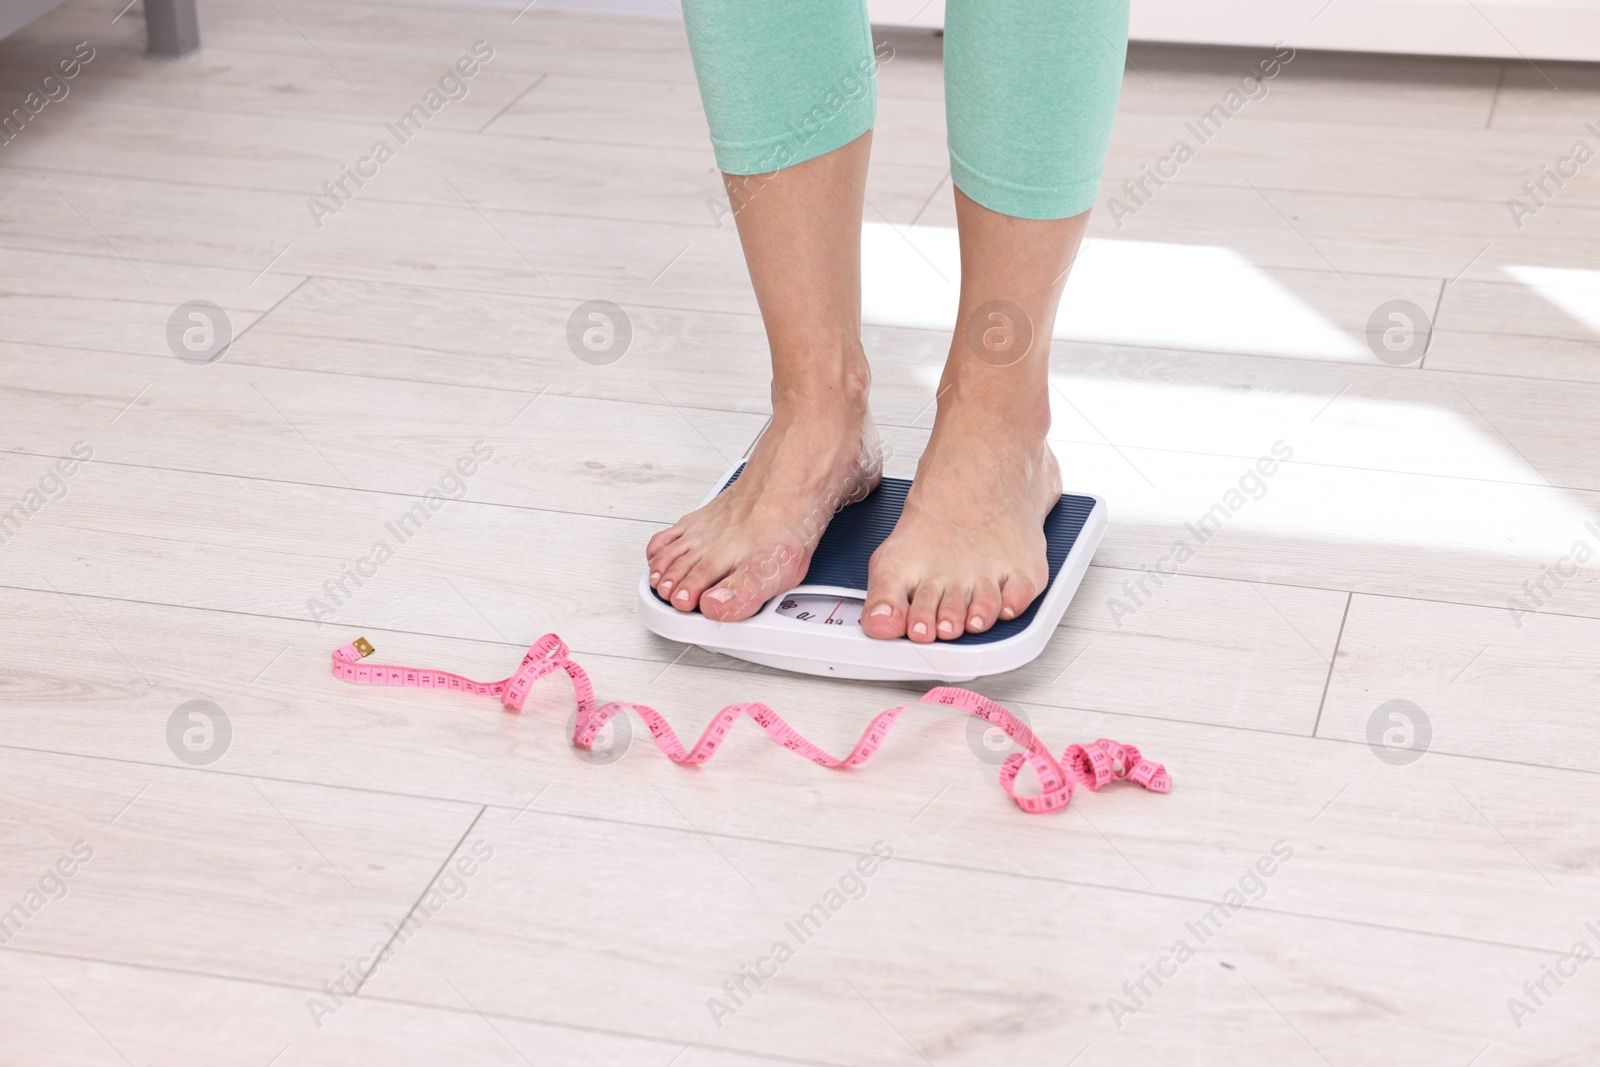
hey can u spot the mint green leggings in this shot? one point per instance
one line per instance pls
(1030, 90)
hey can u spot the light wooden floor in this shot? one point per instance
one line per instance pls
(430, 313)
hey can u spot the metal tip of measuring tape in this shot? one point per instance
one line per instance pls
(363, 646)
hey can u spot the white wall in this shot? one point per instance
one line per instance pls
(15, 14)
(1513, 29)
(1509, 29)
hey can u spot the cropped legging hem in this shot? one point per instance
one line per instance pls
(1030, 90)
(1020, 200)
(796, 145)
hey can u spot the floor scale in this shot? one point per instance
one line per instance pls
(815, 628)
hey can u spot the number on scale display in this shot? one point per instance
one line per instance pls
(825, 610)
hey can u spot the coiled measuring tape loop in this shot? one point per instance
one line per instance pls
(1093, 765)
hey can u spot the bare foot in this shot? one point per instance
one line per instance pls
(969, 548)
(754, 539)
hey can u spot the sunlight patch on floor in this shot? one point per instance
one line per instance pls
(1576, 292)
(1146, 293)
(1388, 473)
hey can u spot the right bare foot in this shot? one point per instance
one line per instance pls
(754, 539)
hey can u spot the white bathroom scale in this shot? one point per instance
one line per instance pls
(815, 628)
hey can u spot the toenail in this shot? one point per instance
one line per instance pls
(683, 595)
(920, 628)
(666, 587)
(655, 576)
(881, 609)
(975, 622)
(721, 596)
(1006, 613)
(947, 627)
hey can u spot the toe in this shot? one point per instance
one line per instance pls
(741, 594)
(675, 571)
(692, 586)
(920, 620)
(952, 614)
(1016, 594)
(724, 602)
(984, 608)
(662, 539)
(884, 614)
(661, 561)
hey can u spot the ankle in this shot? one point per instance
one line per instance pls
(1009, 402)
(821, 381)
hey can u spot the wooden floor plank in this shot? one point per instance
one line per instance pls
(97, 1012)
(203, 872)
(865, 971)
(1474, 671)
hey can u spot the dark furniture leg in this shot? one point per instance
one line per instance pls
(173, 26)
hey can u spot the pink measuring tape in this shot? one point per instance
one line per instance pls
(1091, 765)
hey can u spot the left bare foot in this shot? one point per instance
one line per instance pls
(969, 548)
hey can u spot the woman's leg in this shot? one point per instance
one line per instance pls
(1030, 90)
(788, 90)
